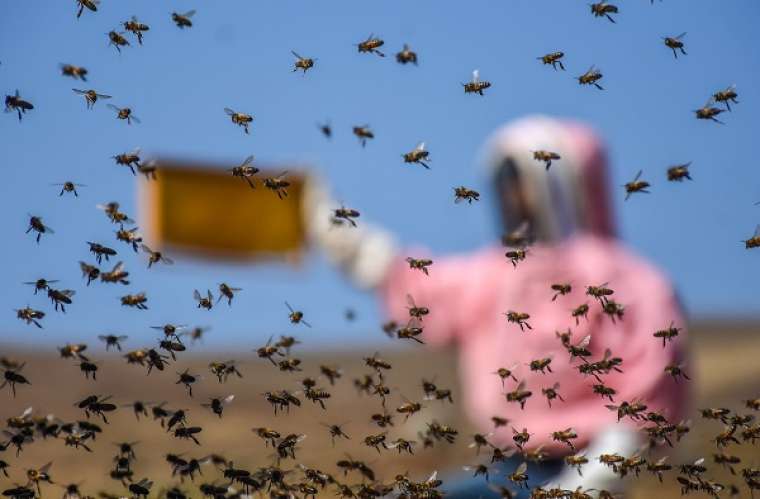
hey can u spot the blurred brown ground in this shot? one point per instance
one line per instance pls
(725, 368)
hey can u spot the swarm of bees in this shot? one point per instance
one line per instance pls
(279, 479)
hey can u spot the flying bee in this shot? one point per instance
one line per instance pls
(709, 112)
(552, 393)
(679, 172)
(326, 129)
(505, 373)
(73, 351)
(222, 370)
(604, 391)
(227, 291)
(187, 379)
(336, 431)
(172, 347)
(302, 63)
(135, 300)
(553, 58)
(520, 476)
(183, 20)
(475, 86)
(520, 438)
(675, 44)
(170, 330)
(604, 9)
(278, 184)
(463, 193)
(600, 292)
(124, 113)
(155, 256)
(376, 441)
(752, 242)
(12, 377)
(287, 342)
(403, 445)
(515, 256)
(378, 364)
(217, 404)
(245, 171)
(546, 156)
(408, 408)
(69, 186)
(15, 102)
(565, 436)
(519, 318)
(418, 155)
(204, 301)
(148, 169)
(268, 351)
(129, 236)
(613, 309)
(76, 72)
(676, 371)
(60, 297)
(268, 435)
(411, 331)
(346, 214)
(36, 225)
(659, 467)
(636, 185)
(100, 251)
(371, 45)
(423, 263)
(129, 159)
(317, 396)
(576, 461)
(726, 437)
(580, 311)
(112, 340)
(90, 4)
(753, 404)
(90, 96)
(726, 96)
(117, 40)
(289, 364)
(135, 27)
(363, 133)
(240, 119)
(519, 395)
(561, 289)
(415, 311)
(296, 316)
(406, 56)
(41, 284)
(36, 476)
(382, 420)
(591, 77)
(91, 272)
(95, 404)
(89, 368)
(632, 409)
(520, 237)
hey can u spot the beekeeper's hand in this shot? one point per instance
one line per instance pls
(616, 439)
(364, 253)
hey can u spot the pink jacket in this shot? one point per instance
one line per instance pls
(467, 296)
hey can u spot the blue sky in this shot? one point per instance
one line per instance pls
(238, 55)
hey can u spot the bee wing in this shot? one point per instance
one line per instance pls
(103, 96)
(167, 260)
(289, 308)
(409, 300)
(146, 248)
(27, 412)
(757, 231)
(247, 161)
(228, 399)
(584, 343)
(521, 469)
(229, 111)
(45, 468)
(189, 13)
(699, 461)
(111, 106)
(521, 386)
(134, 118)
(661, 461)
(281, 175)
(305, 323)
(295, 54)
(420, 146)
(80, 92)
(476, 76)
(118, 267)
(681, 35)
(209, 295)
(68, 292)
(636, 178)
(433, 476)
(196, 294)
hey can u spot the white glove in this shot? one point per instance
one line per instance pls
(615, 439)
(364, 253)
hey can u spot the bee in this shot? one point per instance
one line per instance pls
(69, 186)
(15, 102)
(675, 44)
(36, 476)
(377, 364)
(73, 351)
(376, 441)
(155, 256)
(129, 236)
(520, 438)
(89, 368)
(371, 45)
(726, 96)
(694, 469)
(406, 56)
(278, 184)
(90, 4)
(222, 370)
(546, 156)
(636, 185)
(604, 9)
(240, 119)
(346, 214)
(336, 431)
(551, 393)
(382, 420)
(302, 63)
(676, 370)
(753, 404)
(289, 365)
(604, 391)
(100, 251)
(245, 171)
(709, 112)
(296, 316)
(130, 160)
(679, 172)
(403, 445)
(752, 242)
(206, 302)
(418, 155)
(326, 129)
(117, 40)
(124, 113)
(580, 350)
(135, 300)
(633, 409)
(268, 435)
(170, 330)
(541, 365)
(600, 292)
(565, 436)
(520, 476)
(171, 347)
(36, 225)
(613, 309)
(415, 311)
(41, 284)
(268, 351)
(188, 432)
(463, 193)
(197, 333)
(227, 291)
(659, 467)
(381, 390)
(505, 373)
(519, 395)
(519, 237)
(726, 437)
(135, 27)
(217, 404)
(408, 408)
(95, 404)
(363, 133)
(148, 169)
(331, 373)
(498, 421)
(519, 318)
(60, 297)
(183, 20)
(475, 86)
(553, 58)
(411, 331)
(76, 72)
(591, 77)
(287, 445)
(317, 396)
(423, 263)
(576, 461)
(90, 96)
(516, 255)
(12, 377)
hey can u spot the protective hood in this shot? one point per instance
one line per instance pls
(571, 196)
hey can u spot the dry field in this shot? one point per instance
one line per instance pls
(725, 369)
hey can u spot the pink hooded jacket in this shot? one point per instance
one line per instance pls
(468, 296)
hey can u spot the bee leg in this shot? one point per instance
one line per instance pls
(610, 18)
(561, 65)
(598, 86)
(39, 235)
(683, 51)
